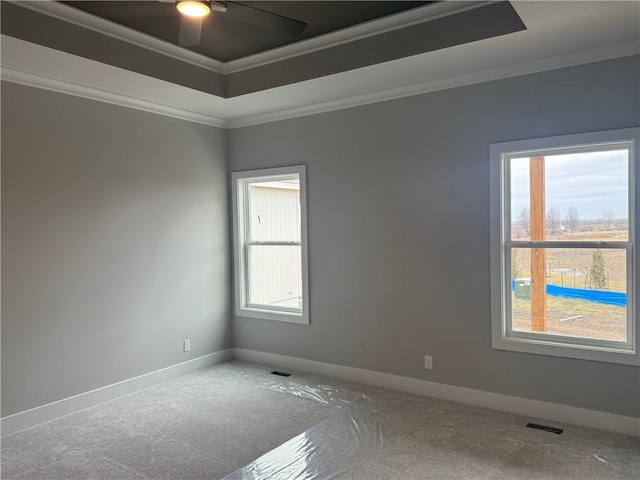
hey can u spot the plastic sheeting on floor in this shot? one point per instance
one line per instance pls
(323, 451)
(380, 434)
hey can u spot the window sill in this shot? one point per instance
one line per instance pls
(554, 349)
(288, 317)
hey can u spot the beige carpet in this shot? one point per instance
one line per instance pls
(236, 419)
(193, 427)
(387, 435)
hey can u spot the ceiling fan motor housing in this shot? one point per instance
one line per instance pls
(218, 7)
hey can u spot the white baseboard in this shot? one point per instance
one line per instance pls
(29, 418)
(563, 414)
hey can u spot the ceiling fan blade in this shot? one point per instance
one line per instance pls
(262, 18)
(190, 31)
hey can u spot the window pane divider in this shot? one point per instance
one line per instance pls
(275, 243)
(567, 244)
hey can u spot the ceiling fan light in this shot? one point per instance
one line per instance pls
(193, 9)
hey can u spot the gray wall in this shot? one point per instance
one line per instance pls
(398, 201)
(115, 237)
(114, 244)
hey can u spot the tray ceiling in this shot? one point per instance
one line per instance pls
(226, 36)
(414, 28)
(437, 46)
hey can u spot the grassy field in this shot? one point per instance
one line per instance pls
(572, 268)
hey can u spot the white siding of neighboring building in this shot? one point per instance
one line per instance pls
(275, 271)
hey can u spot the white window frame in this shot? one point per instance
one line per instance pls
(239, 182)
(503, 337)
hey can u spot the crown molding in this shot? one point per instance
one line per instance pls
(92, 93)
(358, 32)
(119, 32)
(488, 75)
(63, 73)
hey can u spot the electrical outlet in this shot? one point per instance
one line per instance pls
(186, 345)
(428, 362)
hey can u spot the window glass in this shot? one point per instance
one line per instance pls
(586, 196)
(585, 290)
(274, 210)
(275, 276)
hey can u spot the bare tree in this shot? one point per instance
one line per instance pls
(608, 218)
(554, 220)
(572, 219)
(524, 220)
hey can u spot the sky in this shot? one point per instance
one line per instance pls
(593, 183)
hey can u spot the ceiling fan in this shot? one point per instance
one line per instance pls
(192, 14)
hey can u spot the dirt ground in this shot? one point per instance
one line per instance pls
(568, 267)
(575, 318)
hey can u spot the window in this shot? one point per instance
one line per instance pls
(563, 276)
(269, 209)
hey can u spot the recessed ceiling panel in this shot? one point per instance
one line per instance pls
(235, 34)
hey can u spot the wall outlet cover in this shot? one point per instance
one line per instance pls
(428, 362)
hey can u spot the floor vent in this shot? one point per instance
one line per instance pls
(557, 431)
(281, 374)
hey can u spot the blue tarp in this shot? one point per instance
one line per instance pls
(599, 296)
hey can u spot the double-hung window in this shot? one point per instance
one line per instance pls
(270, 251)
(563, 259)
